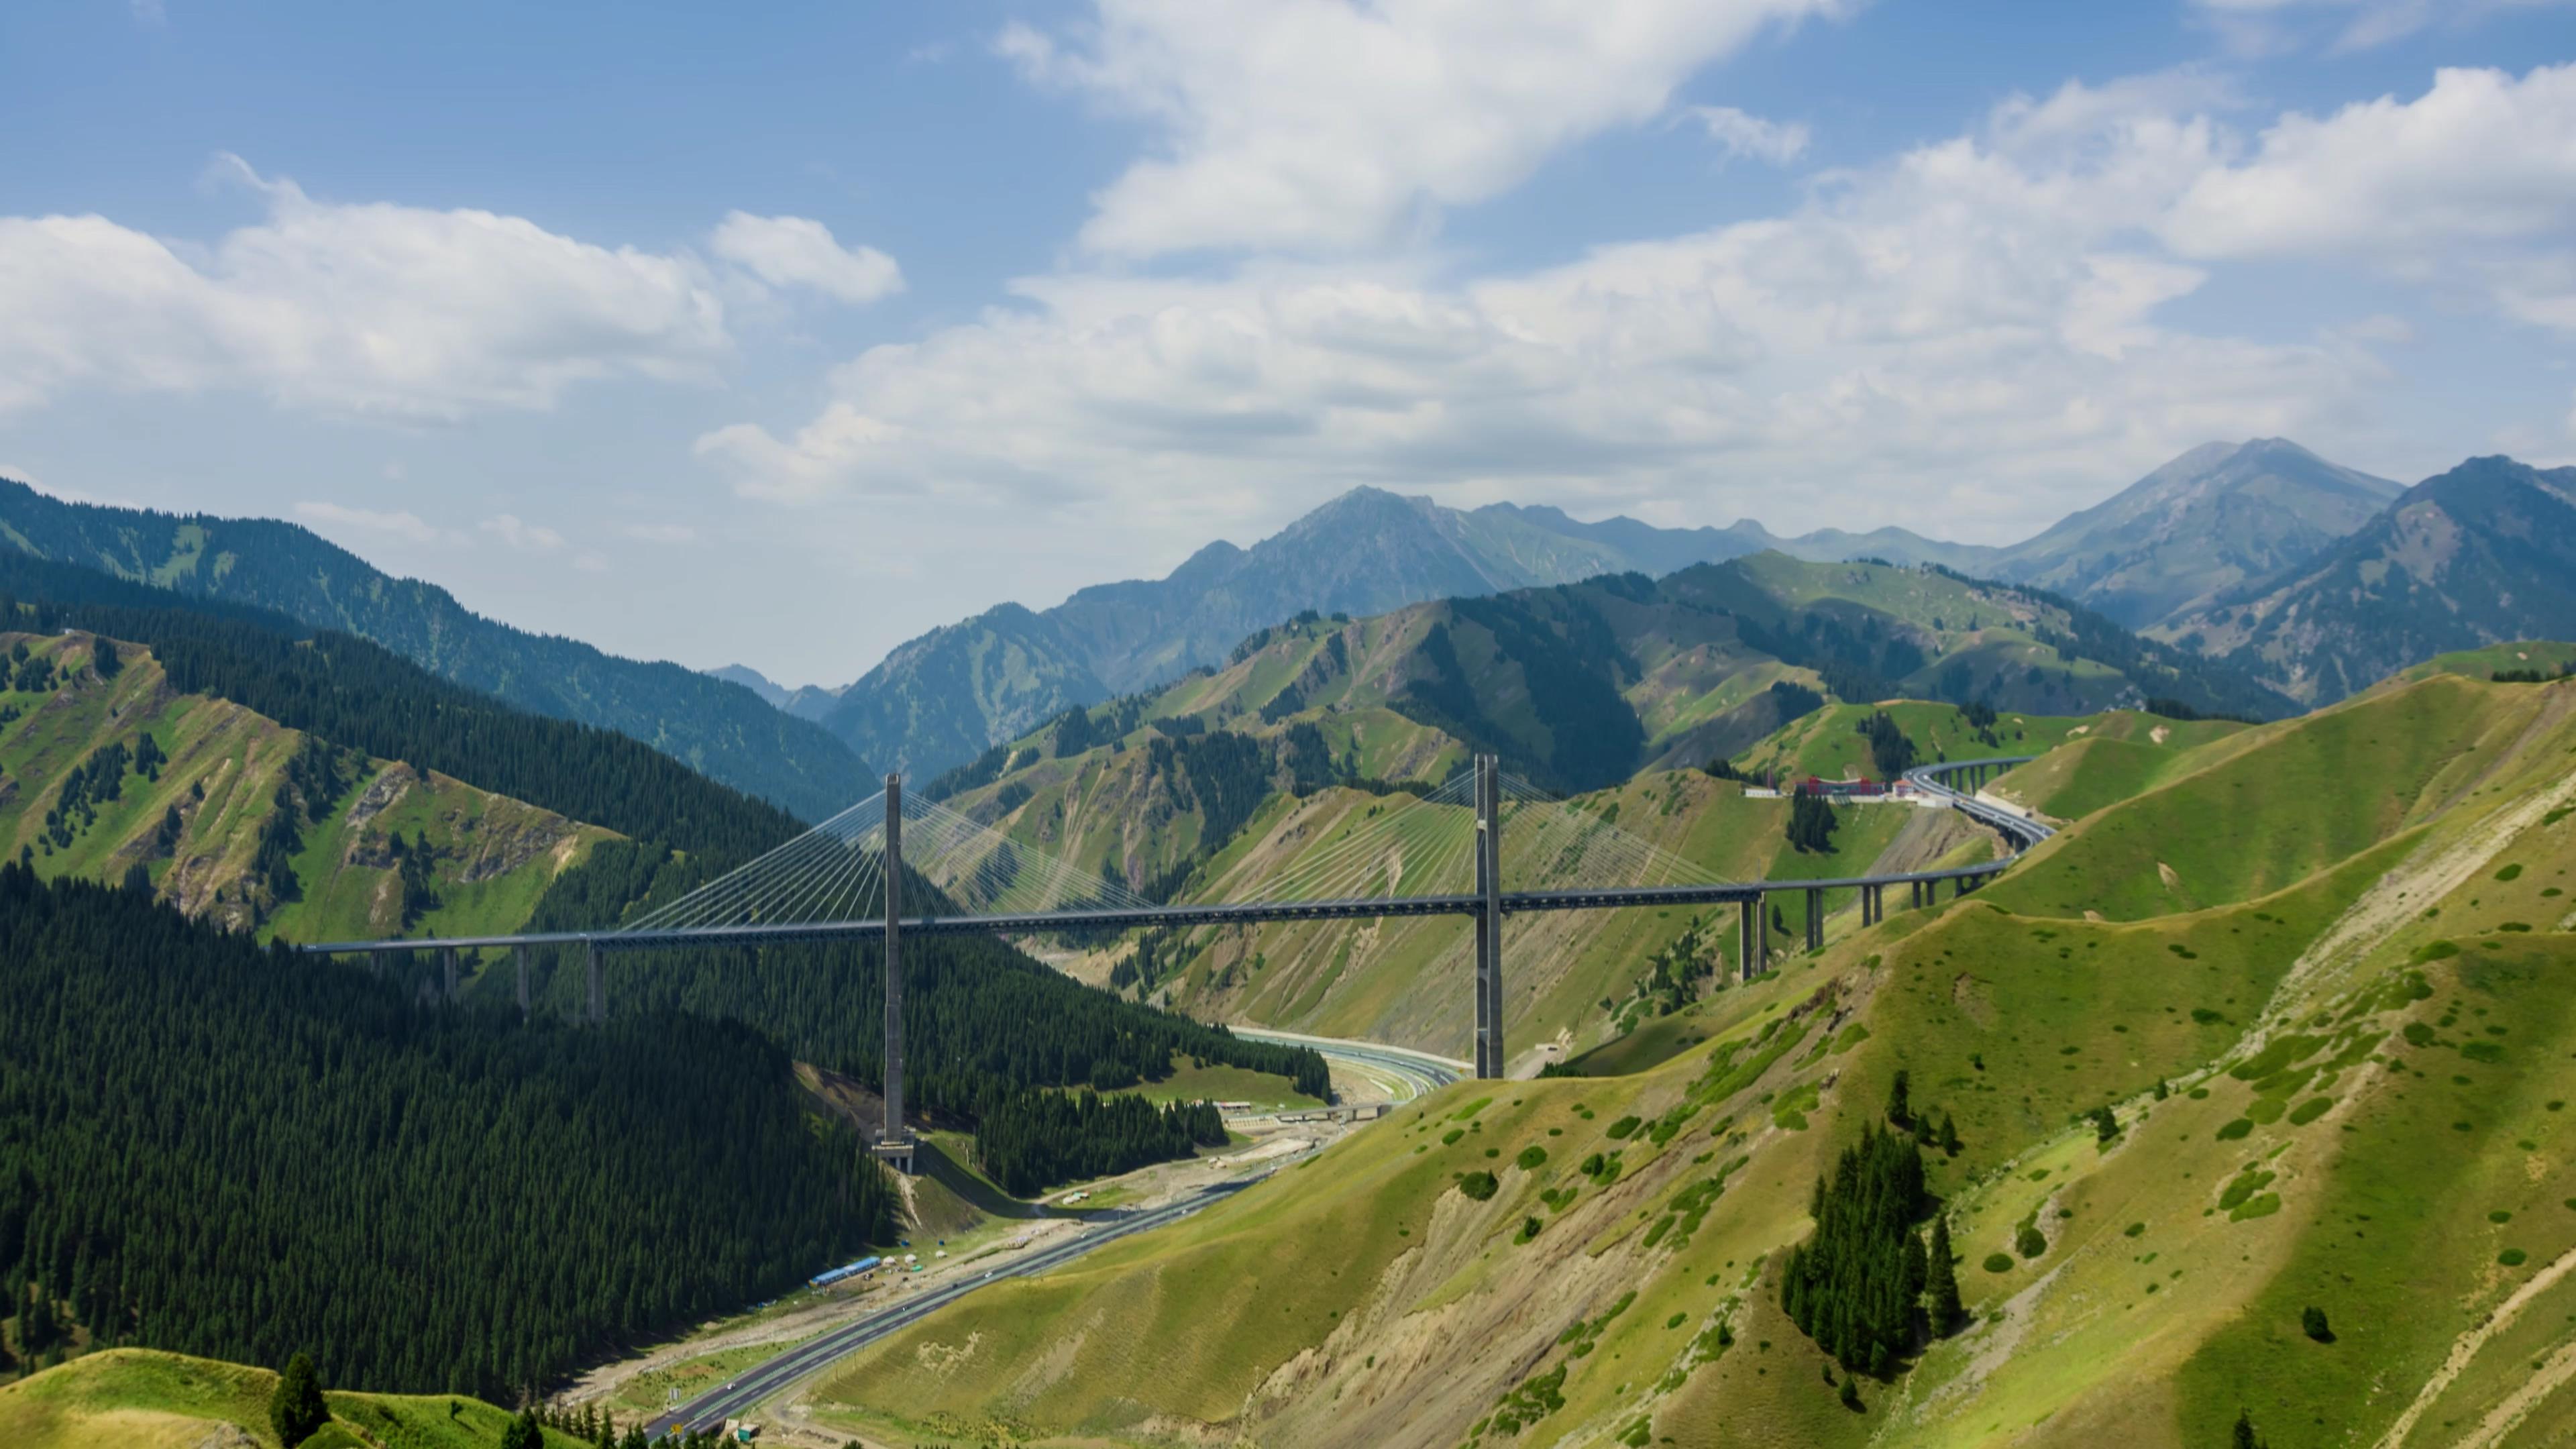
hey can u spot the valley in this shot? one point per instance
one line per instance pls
(2149, 1069)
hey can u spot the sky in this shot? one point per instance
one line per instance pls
(782, 333)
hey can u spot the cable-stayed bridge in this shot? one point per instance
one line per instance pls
(1484, 845)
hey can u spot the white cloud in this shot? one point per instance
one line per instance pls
(525, 537)
(360, 308)
(2480, 157)
(1328, 125)
(1968, 331)
(402, 524)
(2262, 26)
(1739, 133)
(792, 251)
(590, 563)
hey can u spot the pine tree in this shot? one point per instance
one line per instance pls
(2244, 1436)
(522, 1433)
(296, 1409)
(2105, 1125)
(1944, 1287)
(1949, 1135)
(2312, 1321)
(1899, 1111)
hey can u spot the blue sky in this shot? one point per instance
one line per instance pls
(784, 336)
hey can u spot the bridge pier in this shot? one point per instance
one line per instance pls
(1748, 931)
(1815, 920)
(894, 1145)
(447, 971)
(595, 997)
(519, 956)
(1490, 1055)
(1868, 905)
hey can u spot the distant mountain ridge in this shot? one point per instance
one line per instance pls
(2482, 554)
(2211, 519)
(719, 728)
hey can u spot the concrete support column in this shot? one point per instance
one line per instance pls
(519, 957)
(1815, 919)
(896, 1134)
(595, 997)
(1748, 948)
(447, 969)
(1490, 1053)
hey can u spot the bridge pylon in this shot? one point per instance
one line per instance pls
(1489, 917)
(894, 1147)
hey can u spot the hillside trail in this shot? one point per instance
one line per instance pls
(2466, 1349)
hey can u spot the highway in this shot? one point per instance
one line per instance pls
(755, 1386)
(1423, 1071)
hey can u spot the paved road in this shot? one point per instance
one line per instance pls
(757, 1385)
(1423, 1071)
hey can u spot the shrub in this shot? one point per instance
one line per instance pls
(1622, 1129)
(2030, 1242)
(2241, 1127)
(1478, 1186)
(1532, 1158)
(1999, 1262)
(2312, 1322)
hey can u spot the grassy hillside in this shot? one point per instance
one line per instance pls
(2337, 1072)
(131, 1398)
(222, 767)
(1571, 979)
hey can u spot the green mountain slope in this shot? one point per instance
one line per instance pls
(719, 728)
(2335, 1083)
(141, 1397)
(2482, 554)
(81, 793)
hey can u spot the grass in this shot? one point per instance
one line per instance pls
(2269, 807)
(141, 1399)
(1218, 1083)
(494, 856)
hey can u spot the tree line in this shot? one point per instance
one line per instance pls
(984, 1026)
(221, 1150)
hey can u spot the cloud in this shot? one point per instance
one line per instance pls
(791, 251)
(404, 524)
(525, 537)
(2264, 26)
(1969, 330)
(1740, 134)
(345, 309)
(1329, 126)
(2480, 157)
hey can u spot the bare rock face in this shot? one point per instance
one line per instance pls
(381, 796)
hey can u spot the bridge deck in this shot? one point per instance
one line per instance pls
(2021, 831)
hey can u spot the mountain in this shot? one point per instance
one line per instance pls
(2208, 1120)
(1576, 686)
(104, 775)
(2482, 554)
(719, 728)
(2211, 520)
(775, 696)
(2218, 515)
